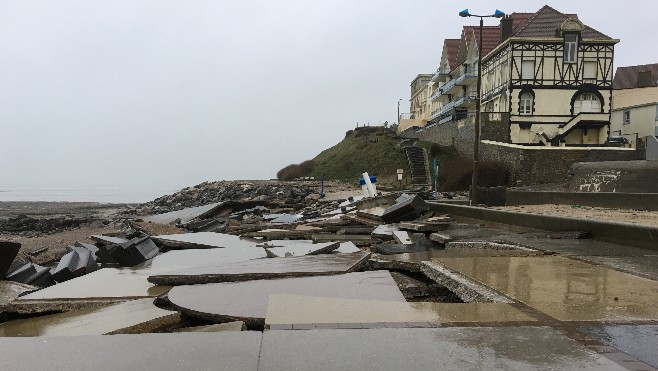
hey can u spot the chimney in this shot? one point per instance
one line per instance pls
(505, 27)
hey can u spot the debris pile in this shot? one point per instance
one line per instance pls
(247, 253)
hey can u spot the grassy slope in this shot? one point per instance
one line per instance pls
(366, 149)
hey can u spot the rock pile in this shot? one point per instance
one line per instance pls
(211, 192)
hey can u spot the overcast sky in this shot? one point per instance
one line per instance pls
(165, 94)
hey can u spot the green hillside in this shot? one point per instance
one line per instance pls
(371, 149)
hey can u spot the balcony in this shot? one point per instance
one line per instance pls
(453, 85)
(439, 76)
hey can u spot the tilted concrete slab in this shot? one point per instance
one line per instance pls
(247, 301)
(283, 248)
(176, 259)
(102, 287)
(411, 261)
(231, 351)
(131, 317)
(183, 216)
(347, 248)
(10, 290)
(218, 327)
(296, 266)
(573, 246)
(644, 266)
(475, 348)
(8, 252)
(566, 289)
(203, 240)
(286, 309)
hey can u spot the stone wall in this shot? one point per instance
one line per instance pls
(540, 165)
(495, 127)
(460, 133)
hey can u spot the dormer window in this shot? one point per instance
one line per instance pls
(570, 47)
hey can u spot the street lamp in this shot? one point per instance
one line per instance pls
(476, 143)
(400, 100)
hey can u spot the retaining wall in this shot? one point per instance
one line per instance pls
(635, 201)
(641, 236)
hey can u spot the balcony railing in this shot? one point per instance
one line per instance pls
(458, 81)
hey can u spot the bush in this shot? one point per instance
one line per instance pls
(457, 175)
(365, 130)
(293, 171)
(435, 150)
(348, 133)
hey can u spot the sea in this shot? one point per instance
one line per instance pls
(101, 195)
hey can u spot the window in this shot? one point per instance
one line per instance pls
(525, 104)
(586, 102)
(589, 71)
(627, 117)
(528, 70)
(570, 48)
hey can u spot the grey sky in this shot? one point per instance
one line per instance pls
(164, 94)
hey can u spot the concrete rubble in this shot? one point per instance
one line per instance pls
(396, 281)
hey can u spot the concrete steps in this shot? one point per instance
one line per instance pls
(418, 163)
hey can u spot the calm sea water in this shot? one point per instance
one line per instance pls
(105, 195)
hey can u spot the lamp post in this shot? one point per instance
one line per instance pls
(399, 100)
(476, 143)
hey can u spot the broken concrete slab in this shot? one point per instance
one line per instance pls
(287, 309)
(259, 269)
(74, 264)
(218, 327)
(425, 227)
(390, 248)
(81, 246)
(8, 252)
(411, 261)
(133, 252)
(185, 215)
(102, 287)
(357, 239)
(407, 209)
(287, 219)
(563, 288)
(130, 317)
(384, 231)
(10, 290)
(247, 301)
(347, 248)
(231, 351)
(402, 237)
(280, 234)
(504, 348)
(486, 245)
(467, 289)
(440, 238)
(176, 259)
(32, 274)
(283, 249)
(108, 240)
(202, 240)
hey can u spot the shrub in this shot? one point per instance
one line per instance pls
(457, 174)
(293, 171)
(348, 133)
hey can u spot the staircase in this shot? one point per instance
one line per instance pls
(418, 163)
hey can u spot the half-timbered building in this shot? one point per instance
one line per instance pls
(552, 76)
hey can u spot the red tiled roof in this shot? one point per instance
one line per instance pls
(451, 46)
(519, 19)
(547, 21)
(490, 38)
(626, 77)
